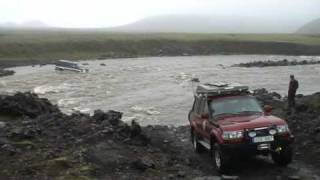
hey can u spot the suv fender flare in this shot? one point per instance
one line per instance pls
(214, 136)
(193, 125)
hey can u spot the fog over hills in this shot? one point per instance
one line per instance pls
(209, 24)
(27, 24)
(312, 27)
(196, 24)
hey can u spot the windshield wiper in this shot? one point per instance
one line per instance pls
(224, 114)
(249, 112)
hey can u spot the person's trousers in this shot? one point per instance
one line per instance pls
(291, 101)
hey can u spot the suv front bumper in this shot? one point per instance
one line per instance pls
(250, 148)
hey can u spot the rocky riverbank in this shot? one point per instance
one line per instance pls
(37, 141)
(270, 63)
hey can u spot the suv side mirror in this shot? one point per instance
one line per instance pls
(204, 116)
(267, 109)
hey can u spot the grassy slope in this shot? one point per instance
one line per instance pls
(72, 44)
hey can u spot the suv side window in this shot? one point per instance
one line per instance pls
(205, 106)
(200, 107)
(196, 105)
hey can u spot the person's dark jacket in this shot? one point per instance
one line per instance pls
(293, 86)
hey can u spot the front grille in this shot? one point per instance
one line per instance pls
(262, 132)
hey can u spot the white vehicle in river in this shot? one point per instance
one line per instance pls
(62, 65)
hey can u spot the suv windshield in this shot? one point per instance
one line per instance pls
(234, 105)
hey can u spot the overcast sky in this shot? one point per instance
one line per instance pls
(105, 13)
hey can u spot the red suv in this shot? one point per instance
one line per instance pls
(229, 122)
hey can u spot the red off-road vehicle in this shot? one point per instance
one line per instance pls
(229, 122)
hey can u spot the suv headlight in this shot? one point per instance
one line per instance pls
(227, 135)
(272, 131)
(252, 134)
(283, 129)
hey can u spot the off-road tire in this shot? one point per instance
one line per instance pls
(284, 157)
(220, 159)
(198, 148)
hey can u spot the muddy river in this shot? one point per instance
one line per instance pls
(153, 90)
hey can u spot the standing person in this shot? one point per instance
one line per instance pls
(293, 86)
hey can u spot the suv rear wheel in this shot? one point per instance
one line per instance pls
(220, 158)
(283, 157)
(196, 145)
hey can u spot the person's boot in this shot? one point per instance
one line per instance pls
(289, 110)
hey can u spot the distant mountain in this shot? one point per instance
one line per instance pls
(208, 24)
(27, 24)
(312, 27)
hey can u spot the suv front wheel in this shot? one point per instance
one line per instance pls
(283, 157)
(220, 159)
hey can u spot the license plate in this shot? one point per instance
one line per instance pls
(263, 139)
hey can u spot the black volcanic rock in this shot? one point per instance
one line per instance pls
(26, 104)
(269, 63)
(4, 72)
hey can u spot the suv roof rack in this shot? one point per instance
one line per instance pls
(220, 88)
